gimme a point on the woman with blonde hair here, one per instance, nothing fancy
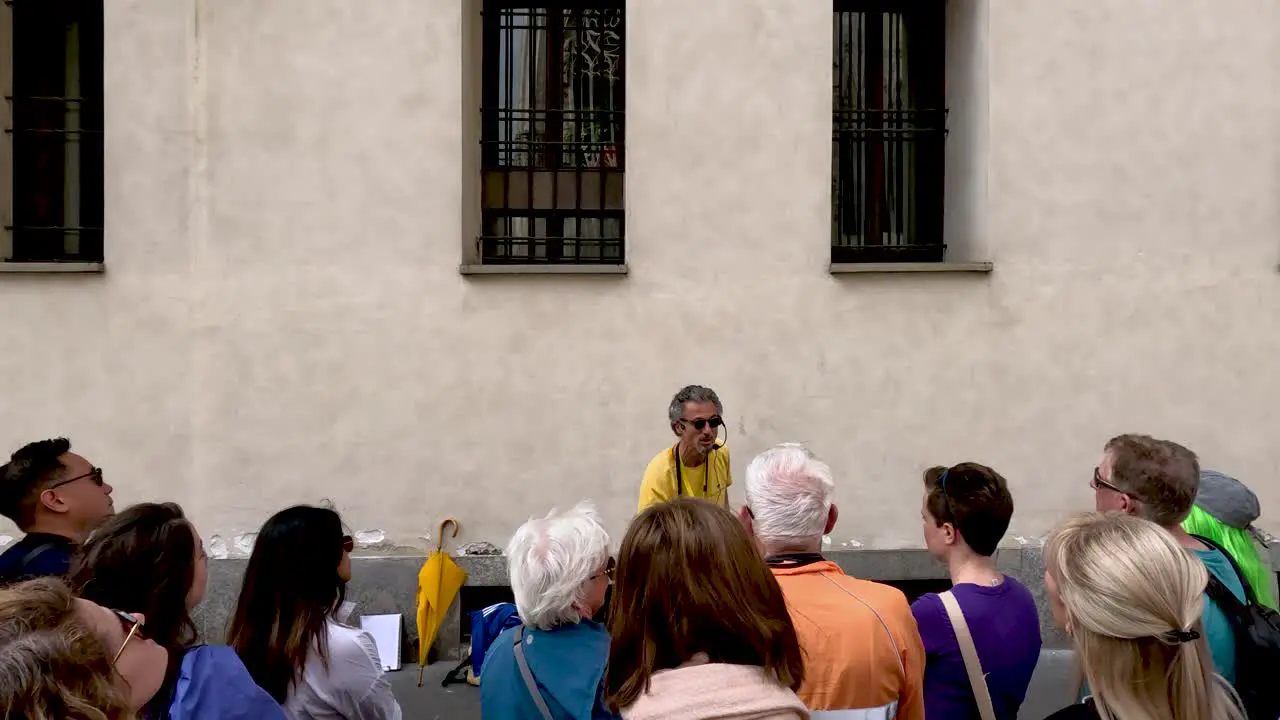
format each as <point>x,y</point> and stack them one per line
<point>62,658</point>
<point>1130,598</point>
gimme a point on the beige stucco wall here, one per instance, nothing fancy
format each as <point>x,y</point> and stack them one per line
<point>283,320</point>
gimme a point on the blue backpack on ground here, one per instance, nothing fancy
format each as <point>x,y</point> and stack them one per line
<point>486,626</point>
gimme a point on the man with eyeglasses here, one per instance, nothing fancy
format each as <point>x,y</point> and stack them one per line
<point>54,496</point>
<point>697,465</point>
<point>1158,480</point>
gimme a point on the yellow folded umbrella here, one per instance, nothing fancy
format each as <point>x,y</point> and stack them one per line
<point>439,581</point>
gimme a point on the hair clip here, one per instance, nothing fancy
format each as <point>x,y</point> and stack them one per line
<point>1182,636</point>
<point>942,480</point>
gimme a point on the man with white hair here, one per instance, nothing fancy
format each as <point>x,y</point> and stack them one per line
<point>553,665</point>
<point>863,656</point>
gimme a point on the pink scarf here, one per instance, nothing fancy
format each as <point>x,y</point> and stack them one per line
<point>716,691</point>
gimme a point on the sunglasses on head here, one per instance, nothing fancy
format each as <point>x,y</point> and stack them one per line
<point>132,629</point>
<point>348,543</point>
<point>714,421</point>
<point>95,474</point>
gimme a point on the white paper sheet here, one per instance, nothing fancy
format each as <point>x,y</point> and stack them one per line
<point>386,631</point>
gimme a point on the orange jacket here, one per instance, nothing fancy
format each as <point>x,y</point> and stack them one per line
<point>861,646</point>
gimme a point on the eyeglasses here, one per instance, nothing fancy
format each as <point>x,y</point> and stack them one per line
<point>134,630</point>
<point>95,474</point>
<point>714,421</point>
<point>348,543</point>
<point>1098,481</point>
<point>608,570</point>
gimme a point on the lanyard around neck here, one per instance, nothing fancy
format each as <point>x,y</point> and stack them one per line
<point>706,471</point>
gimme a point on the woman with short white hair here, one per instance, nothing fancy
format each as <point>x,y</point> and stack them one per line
<point>552,666</point>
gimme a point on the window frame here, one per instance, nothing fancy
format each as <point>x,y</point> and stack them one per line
<point>45,226</point>
<point>911,124</point>
<point>514,195</point>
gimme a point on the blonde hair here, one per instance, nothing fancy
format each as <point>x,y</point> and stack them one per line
<point>1133,600</point>
<point>52,665</point>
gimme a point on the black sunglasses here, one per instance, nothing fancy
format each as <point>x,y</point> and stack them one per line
<point>95,474</point>
<point>1098,481</point>
<point>714,421</point>
<point>348,543</point>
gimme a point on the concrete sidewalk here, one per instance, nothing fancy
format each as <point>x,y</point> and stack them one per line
<point>1050,690</point>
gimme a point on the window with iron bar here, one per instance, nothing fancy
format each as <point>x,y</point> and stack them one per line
<point>552,133</point>
<point>55,130</point>
<point>888,131</point>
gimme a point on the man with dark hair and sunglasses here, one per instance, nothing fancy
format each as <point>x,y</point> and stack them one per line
<point>697,465</point>
<point>54,496</point>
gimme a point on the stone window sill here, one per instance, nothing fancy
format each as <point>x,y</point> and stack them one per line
<point>542,269</point>
<point>53,267</point>
<point>942,267</point>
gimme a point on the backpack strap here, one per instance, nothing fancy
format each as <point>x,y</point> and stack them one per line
<point>1249,596</point>
<point>31,556</point>
<point>529,682</point>
<point>970,654</point>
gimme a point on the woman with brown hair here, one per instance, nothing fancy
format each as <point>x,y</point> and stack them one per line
<point>67,659</point>
<point>700,628</point>
<point>150,559</point>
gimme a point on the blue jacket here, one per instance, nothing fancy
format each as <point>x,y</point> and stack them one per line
<point>568,664</point>
<point>214,685</point>
<point>36,555</point>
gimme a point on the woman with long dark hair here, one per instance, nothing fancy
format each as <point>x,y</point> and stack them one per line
<point>149,559</point>
<point>285,628</point>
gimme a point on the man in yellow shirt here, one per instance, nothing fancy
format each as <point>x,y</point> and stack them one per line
<point>697,465</point>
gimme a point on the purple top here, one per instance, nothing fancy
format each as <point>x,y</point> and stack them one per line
<point>1006,633</point>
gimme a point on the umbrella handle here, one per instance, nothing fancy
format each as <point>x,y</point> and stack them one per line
<point>444,524</point>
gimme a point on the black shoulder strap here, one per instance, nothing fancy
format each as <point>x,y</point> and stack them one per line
<point>675,459</point>
<point>1249,596</point>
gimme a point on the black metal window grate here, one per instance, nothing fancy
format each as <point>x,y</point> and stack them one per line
<point>56,131</point>
<point>552,132</point>
<point>888,131</point>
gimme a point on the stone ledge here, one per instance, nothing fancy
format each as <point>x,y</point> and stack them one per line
<point>880,268</point>
<point>52,267</point>
<point>389,585</point>
<point>466,269</point>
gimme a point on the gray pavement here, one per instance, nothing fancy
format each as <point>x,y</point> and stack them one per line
<point>1050,690</point>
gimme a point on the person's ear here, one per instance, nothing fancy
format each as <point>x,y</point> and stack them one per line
<point>745,517</point>
<point>833,514</point>
<point>675,428</point>
<point>53,502</point>
<point>949,534</point>
<point>1128,505</point>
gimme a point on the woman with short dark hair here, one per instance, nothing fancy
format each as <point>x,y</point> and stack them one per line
<point>285,627</point>
<point>149,559</point>
<point>700,628</point>
<point>965,513</point>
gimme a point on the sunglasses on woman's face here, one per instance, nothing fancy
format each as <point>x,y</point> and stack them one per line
<point>132,629</point>
<point>714,421</point>
<point>348,543</point>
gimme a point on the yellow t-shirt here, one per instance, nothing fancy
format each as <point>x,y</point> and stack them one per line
<point>659,483</point>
